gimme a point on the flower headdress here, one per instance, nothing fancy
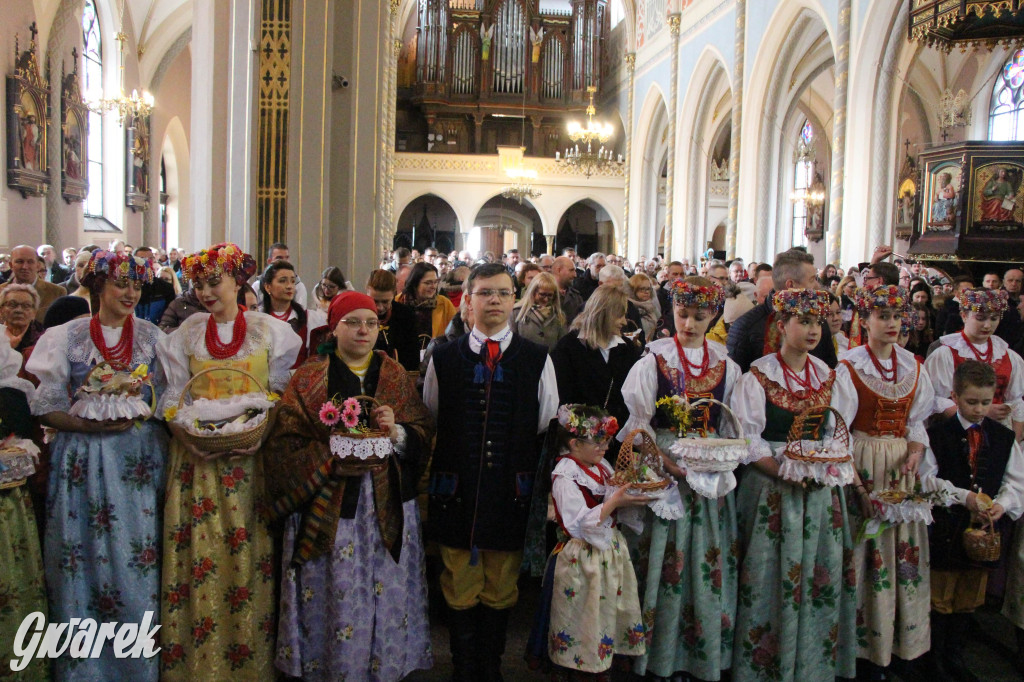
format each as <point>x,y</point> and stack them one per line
<point>598,426</point>
<point>119,266</point>
<point>907,323</point>
<point>984,300</point>
<point>696,296</point>
<point>883,296</point>
<point>801,302</point>
<point>219,260</point>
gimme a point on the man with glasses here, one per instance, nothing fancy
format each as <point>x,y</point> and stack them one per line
<point>397,321</point>
<point>25,270</point>
<point>490,391</point>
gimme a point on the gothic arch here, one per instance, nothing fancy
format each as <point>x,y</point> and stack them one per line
<point>649,152</point>
<point>175,154</point>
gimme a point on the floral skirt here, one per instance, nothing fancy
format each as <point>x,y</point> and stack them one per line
<point>218,571</point>
<point>355,614</point>
<point>1013,605</point>
<point>21,579</point>
<point>893,586</point>
<point>796,612</point>
<point>595,610</point>
<point>102,542</point>
<point>689,571</point>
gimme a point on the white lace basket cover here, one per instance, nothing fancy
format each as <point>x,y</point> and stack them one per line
<point>710,462</point>
<point>827,462</point>
<point>18,460</point>
<point>123,402</point>
<point>345,446</point>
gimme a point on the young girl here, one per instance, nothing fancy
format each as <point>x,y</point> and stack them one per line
<point>797,587</point>
<point>894,396</point>
<point>690,572</point>
<point>595,611</point>
<point>981,310</point>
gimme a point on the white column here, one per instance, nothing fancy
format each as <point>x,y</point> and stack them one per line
<point>243,26</point>
<point>670,166</point>
<point>842,66</point>
<point>623,247</point>
<point>737,123</point>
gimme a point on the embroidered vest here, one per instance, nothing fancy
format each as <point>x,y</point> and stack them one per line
<point>878,415</point>
<point>591,498</point>
<point>1003,368</point>
<point>783,407</point>
<point>711,384</point>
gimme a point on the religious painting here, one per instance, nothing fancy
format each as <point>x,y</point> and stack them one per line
<point>942,191</point>
<point>998,202</point>
<point>28,94</point>
<point>906,197</point>
<point>136,138</point>
<point>74,133</point>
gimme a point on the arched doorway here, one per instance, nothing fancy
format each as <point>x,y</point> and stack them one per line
<point>586,227</point>
<point>427,220</point>
<point>502,224</point>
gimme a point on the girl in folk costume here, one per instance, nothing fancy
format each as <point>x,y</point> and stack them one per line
<point>981,310</point>
<point>219,565</point>
<point>354,597</point>
<point>689,573</point>
<point>277,286</point>
<point>105,493</point>
<point>797,588</point>
<point>894,396</point>
<point>595,611</point>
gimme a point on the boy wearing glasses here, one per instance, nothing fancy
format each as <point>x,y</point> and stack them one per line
<point>489,390</point>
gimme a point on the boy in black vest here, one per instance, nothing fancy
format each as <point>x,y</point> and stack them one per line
<point>491,392</point>
<point>971,457</point>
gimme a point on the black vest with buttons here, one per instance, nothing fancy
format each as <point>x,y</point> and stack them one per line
<point>487,449</point>
<point>949,443</point>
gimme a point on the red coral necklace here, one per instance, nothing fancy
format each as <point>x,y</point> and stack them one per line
<point>223,351</point>
<point>693,370</point>
<point>985,357</point>
<point>120,355</point>
<point>886,374</point>
<point>803,385</point>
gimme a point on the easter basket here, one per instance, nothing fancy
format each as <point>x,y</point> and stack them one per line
<point>983,544</point>
<point>110,393</point>
<point>827,461</point>
<point>18,460</point>
<point>360,448</point>
<point>235,423</point>
<point>712,455</point>
<point>642,470</point>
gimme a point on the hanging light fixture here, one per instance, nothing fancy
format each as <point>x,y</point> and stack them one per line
<point>126,106</point>
<point>593,157</point>
<point>805,160</point>
<point>520,189</point>
<point>954,110</point>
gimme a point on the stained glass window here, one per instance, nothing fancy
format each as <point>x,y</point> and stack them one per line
<point>803,177</point>
<point>92,58</point>
<point>1006,114</point>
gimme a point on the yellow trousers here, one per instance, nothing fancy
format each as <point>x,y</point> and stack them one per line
<point>493,582</point>
<point>960,591</point>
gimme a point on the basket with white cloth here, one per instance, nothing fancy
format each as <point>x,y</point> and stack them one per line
<point>827,461</point>
<point>237,422</point>
<point>19,458</point>
<point>109,393</point>
<point>710,462</point>
<point>361,448</point>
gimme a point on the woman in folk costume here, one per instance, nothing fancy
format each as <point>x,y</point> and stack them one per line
<point>796,614</point>
<point>22,588</point>
<point>595,610</point>
<point>690,571</point>
<point>219,566</point>
<point>894,397</point>
<point>981,310</point>
<point>354,597</point>
<point>105,493</point>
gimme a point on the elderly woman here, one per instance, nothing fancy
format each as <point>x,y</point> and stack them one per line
<point>105,497</point>
<point>18,306</point>
<point>433,312</point>
<point>538,317</point>
<point>642,289</point>
<point>354,596</point>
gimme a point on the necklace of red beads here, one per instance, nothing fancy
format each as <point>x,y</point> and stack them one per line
<point>803,386</point>
<point>222,351</point>
<point>693,370</point>
<point>120,355</point>
<point>985,357</point>
<point>283,316</point>
<point>886,374</point>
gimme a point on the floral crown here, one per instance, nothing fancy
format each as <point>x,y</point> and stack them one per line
<point>695,296</point>
<point>596,427</point>
<point>907,323</point>
<point>984,300</point>
<point>120,266</point>
<point>801,302</point>
<point>883,296</point>
<point>219,259</point>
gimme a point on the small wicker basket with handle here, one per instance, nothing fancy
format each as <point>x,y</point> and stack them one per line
<point>224,442</point>
<point>630,463</point>
<point>363,450</point>
<point>795,440</point>
<point>712,455</point>
<point>983,544</point>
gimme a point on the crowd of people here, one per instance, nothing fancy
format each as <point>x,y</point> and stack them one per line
<point>454,422</point>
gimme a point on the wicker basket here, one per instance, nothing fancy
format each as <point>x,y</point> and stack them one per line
<point>628,463</point>
<point>18,465</point>
<point>224,442</point>
<point>712,455</point>
<point>831,465</point>
<point>795,439</point>
<point>983,544</point>
<point>364,451</point>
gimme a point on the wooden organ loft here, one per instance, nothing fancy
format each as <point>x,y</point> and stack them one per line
<point>480,65</point>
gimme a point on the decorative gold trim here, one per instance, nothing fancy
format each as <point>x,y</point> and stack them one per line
<point>273,115</point>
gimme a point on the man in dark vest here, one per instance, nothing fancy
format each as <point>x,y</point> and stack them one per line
<point>491,391</point>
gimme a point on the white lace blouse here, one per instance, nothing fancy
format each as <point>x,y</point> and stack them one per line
<point>579,520</point>
<point>940,368</point>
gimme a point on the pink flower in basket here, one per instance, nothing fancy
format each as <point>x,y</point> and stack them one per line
<point>349,418</point>
<point>329,413</point>
<point>352,405</point>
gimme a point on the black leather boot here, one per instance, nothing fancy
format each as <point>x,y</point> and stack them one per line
<point>464,643</point>
<point>493,629</point>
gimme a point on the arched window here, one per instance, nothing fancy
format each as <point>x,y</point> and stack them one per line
<point>92,57</point>
<point>1006,113</point>
<point>803,178</point>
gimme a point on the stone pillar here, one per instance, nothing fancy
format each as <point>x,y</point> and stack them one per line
<point>630,90</point>
<point>391,111</point>
<point>670,166</point>
<point>835,212</point>
<point>551,243</point>
<point>737,122</point>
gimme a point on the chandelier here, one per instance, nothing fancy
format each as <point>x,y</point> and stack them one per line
<point>520,189</point>
<point>126,106</point>
<point>954,110</point>
<point>809,196</point>
<point>593,157</point>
